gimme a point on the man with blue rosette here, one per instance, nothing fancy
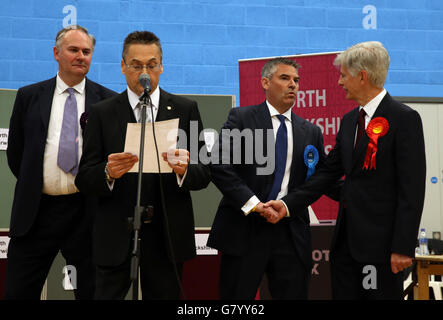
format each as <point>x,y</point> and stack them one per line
<point>380,149</point>
<point>252,245</point>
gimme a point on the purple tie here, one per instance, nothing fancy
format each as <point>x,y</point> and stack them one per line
<point>68,145</point>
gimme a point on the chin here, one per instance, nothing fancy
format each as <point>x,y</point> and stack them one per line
<point>81,73</point>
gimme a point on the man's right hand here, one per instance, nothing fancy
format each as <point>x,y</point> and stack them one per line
<point>268,212</point>
<point>274,211</point>
<point>120,163</point>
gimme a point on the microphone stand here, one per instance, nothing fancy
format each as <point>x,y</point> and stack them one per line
<point>140,212</point>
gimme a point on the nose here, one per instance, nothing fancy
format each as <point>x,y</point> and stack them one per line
<point>80,55</point>
<point>292,83</point>
<point>340,82</point>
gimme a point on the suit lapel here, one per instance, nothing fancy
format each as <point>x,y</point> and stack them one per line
<point>45,101</point>
<point>360,152</point>
<point>352,155</point>
<point>124,114</point>
<point>262,120</point>
<point>166,109</point>
<point>383,108</point>
<point>91,95</point>
<point>298,138</point>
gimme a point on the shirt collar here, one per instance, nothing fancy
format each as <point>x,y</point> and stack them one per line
<point>274,111</point>
<point>372,105</point>
<point>134,99</point>
<point>61,86</point>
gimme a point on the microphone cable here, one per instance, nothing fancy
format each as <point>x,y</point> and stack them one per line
<point>162,198</point>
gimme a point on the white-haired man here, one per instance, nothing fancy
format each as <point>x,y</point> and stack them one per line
<point>380,151</point>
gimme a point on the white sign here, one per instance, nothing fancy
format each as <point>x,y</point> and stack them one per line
<point>202,248</point>
<point>4,138</point>
<point>4,243</point>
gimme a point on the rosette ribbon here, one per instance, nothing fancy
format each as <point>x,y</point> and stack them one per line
<point>377,128</point>
<point>311,159</point>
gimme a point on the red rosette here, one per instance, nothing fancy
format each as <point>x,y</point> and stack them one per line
<point>377,128</point>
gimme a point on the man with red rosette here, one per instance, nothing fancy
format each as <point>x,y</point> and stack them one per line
<point>380,151</point>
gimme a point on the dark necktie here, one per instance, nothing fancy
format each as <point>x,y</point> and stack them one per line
<point>281,151</point>
<point>361,126</point>
<point>138,113</point>
<point>67,158</point>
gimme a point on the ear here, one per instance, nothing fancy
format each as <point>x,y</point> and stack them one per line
<point>123,67</point>
<point>265,83</point>
<point>364,76</point>
<point>56,53</point>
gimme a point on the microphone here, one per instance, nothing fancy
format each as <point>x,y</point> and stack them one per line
<point>145,82</point>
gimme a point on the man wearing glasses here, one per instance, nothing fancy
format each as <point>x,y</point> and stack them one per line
<point>104,173</point>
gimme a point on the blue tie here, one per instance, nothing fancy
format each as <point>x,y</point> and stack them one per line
<point>281,151</point>
<point>67,158</point>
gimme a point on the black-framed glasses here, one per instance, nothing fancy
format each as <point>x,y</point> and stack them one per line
<point>141,67</point>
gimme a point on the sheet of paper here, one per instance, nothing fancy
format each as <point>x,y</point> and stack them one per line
<point>166,135</point>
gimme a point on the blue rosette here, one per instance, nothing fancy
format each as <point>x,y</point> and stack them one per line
<point>311,159</point>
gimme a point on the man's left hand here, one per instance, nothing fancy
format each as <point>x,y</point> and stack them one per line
<point>399,262</point>
<point>177,159</point>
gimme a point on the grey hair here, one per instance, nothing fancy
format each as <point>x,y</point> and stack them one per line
<point>370,56</point>
<point>61,34</point>
<point>271,66</point>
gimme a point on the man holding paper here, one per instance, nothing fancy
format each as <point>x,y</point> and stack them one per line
<point>104,172</point>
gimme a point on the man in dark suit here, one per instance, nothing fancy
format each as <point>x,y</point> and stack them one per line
<point>44,148</point>
<point>380,150</point>
<point>168,240</point>
<point>252,246</point>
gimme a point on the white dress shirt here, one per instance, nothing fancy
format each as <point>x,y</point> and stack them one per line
<point>55,180</point>
<point>253,201</point>
<point>134,100</point>
<point>370,109</point>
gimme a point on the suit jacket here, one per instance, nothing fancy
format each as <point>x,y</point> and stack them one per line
<point>28,131</point>
<point>382,206</point>
<point>232,231</point>
<point>105,134</point>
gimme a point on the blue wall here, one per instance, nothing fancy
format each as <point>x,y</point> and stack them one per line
<point>203,40</point>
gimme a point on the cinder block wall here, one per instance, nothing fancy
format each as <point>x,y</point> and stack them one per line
<point>203,40</point>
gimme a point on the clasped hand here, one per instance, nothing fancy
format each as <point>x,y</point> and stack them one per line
<point>273,211</point>
<point>120,163</point>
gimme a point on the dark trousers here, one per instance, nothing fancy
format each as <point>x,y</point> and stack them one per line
<point>158,278</point>
<point>62,224</point>
<point>353,280</point>
<point>273,253</point>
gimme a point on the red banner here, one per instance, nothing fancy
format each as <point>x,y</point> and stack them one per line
<point>320,100</point>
